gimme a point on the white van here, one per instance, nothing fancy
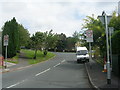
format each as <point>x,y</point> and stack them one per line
<point>82,54</point>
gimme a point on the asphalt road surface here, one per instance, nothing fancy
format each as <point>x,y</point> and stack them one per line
<point>59,72</point>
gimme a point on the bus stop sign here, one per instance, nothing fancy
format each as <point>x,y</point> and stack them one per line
<point>6,38</point>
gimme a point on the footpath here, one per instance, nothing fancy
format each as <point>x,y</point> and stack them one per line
<point>98,79</point>
<point>22,63</point>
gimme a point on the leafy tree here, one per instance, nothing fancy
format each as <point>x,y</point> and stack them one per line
<point>24,35</point>
<point>70,43</point>
<point>11,28</point>
<point>116,42</point>
<point>98,33</point>
<point>37,41</point>
<point>50,40</point>
<point>61,44</point>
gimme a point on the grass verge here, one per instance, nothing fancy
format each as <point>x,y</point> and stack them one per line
<point>14,59</point>
<point>39,57</point>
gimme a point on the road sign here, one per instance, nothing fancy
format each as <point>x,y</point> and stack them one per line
<point>6,37</point>
<point>89,36</point>
<point>102,19</point>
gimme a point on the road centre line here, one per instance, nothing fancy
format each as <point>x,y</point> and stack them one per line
<point>13,85</point>
<point>62,61</point>
<point>43,72</point>
<point>16,84</point>
<point>37,74</point>
<point>56,65</point>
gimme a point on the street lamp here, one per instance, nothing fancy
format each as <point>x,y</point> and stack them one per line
<point>105,20</point>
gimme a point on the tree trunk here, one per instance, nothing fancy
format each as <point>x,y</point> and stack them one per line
<point>35,54</point>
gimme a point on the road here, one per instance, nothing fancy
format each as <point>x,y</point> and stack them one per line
<point>59,72</point>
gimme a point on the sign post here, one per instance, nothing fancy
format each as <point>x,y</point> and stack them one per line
<point>105,20</point>
<point>89,38</point>
<point>6,37</point>
<point>111,30</point>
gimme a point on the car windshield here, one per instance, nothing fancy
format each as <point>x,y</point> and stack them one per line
<point>82,52</point>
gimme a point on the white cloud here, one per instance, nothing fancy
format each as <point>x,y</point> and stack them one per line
<point>61,16</point>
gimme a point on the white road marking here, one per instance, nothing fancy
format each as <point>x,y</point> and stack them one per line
<point>56,65</point>
<point>43,72</point>
<point>16,84</point>
<point>62,61</point>
<point>13,85</point>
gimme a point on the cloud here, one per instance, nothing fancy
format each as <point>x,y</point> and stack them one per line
<point>61,16</point>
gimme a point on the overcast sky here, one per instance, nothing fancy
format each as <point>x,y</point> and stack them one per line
<point>63,16</point>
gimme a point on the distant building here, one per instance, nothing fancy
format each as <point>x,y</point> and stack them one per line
<point>119,8</point>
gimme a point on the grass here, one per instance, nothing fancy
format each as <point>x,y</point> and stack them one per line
<point>39,57</point>
<point>14,59</point>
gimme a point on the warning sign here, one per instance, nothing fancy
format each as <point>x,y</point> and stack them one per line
<point>6,38</point>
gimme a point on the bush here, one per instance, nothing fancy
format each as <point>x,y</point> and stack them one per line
<point>116,42</point>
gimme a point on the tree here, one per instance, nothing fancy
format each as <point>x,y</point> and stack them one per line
<point>98,33</point>
<point>61,44</point>
<point>70,43</point>
<point>51,40</point>
<point>11,28</point>
<point>115,46</point>
<point>37,41</point>
<point>24,35</point>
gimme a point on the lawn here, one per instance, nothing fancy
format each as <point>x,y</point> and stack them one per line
<point>40,56</point>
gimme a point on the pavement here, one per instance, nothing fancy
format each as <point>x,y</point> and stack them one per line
<point>23,62</point>
<point>98,79</point>
<point>9,65</point>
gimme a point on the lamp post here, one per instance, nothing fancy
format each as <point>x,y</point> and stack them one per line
<point>105,20</point>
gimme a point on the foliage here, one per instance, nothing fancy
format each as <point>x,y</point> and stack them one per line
<point>61,44</point>
<point>99,36</point>
<point>51,40</point>
<point>18,36</point>
<point>37,41</point>
<point>98,33</point>
<point>24,35</point>
<point>11,28</point>
<point>116,42</point>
